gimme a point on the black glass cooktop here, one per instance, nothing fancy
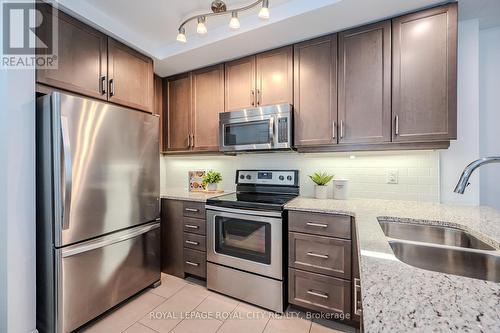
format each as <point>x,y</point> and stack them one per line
<point>259,201</point>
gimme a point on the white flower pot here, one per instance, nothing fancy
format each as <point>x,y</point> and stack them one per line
<point>212,187</point>
<point>320,191</point>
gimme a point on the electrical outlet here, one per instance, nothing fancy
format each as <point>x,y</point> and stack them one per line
<point>392,176</point>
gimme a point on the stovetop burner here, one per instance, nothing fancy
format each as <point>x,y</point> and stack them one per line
<point>260,190</point>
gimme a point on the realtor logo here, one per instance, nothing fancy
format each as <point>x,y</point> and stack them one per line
<point>29,35</point>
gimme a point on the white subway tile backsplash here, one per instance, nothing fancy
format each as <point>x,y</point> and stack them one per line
<point>418,171</point>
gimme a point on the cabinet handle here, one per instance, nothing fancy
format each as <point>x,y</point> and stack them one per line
<point>341,129</point>
<point>252,97</point>
<point>192,243</point>
<point>189,226</point>
<point>194,210</point>
<point>317,255</point>
<point>258,96</point>
<point>192,140</point>
<point>334,130</point>
<point>111,87</point>
<point>396,121</point>
<point>318,225</point>
<point>102,82</point>
<point>318,294</point>
<point>192,263</point>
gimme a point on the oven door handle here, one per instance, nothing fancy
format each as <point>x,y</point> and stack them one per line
<point>243,211</point>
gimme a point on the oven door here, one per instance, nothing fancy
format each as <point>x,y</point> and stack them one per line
<point>246,242</point>
<point>252,133</point>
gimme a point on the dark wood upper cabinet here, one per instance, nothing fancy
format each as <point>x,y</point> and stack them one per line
<point>178,112</point>
<point>364,85</point>
<point>82,58</point>
<point>207,103</point>
<point>130,77</point>
<point>158,104</point>
<point>240,84</point>
<point>275,76</point>
<point>424,75</point>
<point>315,91</point>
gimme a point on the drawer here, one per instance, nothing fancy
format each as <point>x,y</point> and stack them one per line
<point>195,242</point>
<point>194,209</point>
<point>325,255</point>
<point>195,226</point>
<point>320,224</point>
<point>319,292</point>
<point>195,263</point>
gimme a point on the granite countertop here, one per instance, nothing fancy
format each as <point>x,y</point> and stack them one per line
<point>398,297</point>
<point>184,194</point>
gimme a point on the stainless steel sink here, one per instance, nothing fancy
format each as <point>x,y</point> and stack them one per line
<point>442,249</point>
<point>473,264</point>
<point>432,234</point>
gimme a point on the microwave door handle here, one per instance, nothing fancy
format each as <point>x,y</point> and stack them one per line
<point>67,171</point>
<point>271,130</point>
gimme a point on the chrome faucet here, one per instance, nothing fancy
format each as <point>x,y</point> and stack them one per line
<point>464,179</point>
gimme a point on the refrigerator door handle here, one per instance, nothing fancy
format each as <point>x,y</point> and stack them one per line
<point>68,173</point>
<point>98,243</point>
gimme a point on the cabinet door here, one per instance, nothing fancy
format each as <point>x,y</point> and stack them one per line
<point>172,237</point>
<point>208,102</point>
<point>130,77</point>
<point>424,75</point>
<point>364,85</point>
<point>240,84</point>
<point>315,91</point>
<point>82,58</point>
<point>275,77</point>
<point>158,104</point>
<point>179,113</point>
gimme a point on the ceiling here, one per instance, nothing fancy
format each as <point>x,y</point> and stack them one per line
<point>151,25</point>
<point>486,11</point>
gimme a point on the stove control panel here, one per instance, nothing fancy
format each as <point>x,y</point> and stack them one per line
<point>268,177</point>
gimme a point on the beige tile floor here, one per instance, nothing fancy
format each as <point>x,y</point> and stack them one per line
<point>164,309</point>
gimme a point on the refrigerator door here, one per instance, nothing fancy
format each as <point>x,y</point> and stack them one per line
<point>106,168</point>
<point>96,275</point>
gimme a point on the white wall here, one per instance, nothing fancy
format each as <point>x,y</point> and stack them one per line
<point>17,201</point>
<point>489,69</point>
<point>418,171</point>
<point>466,148</point>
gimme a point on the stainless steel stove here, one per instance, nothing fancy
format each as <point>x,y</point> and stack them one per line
<point>246,237</point>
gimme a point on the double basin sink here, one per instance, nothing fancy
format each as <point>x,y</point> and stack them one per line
<point>442,249</point>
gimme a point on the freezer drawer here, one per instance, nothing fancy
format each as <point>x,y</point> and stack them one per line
<point>97,275</point>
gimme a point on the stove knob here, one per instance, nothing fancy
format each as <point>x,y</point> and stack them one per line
<point>242,176</point>
<point>289,177</point>
<point>249,177</point>
<point>281,178</point>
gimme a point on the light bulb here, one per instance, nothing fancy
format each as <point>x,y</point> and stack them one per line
<point>264,11</point>
<point>181,36</point>
<point>235,22</point>
<point>201,28</point>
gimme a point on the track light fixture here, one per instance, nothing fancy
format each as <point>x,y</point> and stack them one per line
<point>218,7</point>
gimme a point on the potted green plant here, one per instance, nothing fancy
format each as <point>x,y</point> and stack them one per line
<point>211,179</point>
<point>321,179</point>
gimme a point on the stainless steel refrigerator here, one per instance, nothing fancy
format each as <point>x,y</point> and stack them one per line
<point>98,235</point>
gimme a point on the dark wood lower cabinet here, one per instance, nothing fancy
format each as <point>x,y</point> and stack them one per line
<point>172,244</point>
<point>319,292</point>
<point>183,238</point>
<point>323,269</point>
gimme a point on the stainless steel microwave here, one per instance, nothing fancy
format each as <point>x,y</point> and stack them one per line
<point>263,128</point>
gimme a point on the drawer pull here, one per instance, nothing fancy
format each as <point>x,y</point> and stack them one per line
<point>319,225</point>
<point>317,255</point>
<point>190,226</point>
<point>317,294</point>
<point>192,263</point>
<point>194,210</point>
<point>192,243</point>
